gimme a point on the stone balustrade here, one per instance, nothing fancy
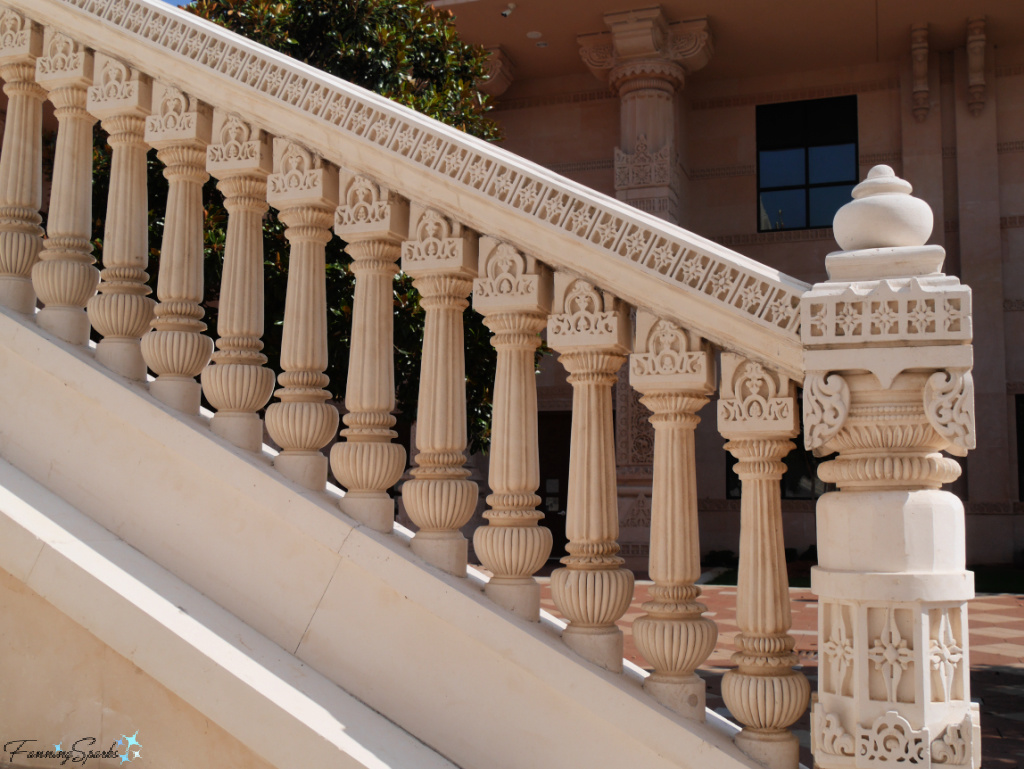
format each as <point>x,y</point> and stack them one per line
<point>883,355</point>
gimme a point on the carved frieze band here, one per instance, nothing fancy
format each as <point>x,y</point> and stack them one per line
<point>888,311</point>
<point>642,168</point>
<point>765,300</point>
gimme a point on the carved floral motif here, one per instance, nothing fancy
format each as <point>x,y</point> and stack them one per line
<point>113,82</point>
<point>756,397</point>
<point>954,746</point>
<point>505,275</point>
<point>891,739</point>
<point>891,655</point>
<point>62,55</point>
<point>829,735</point>
<point>363,204</point>
<point>174,112</point>
<point>236,143</point>
<point>15,30</point>
<point>838,651</point>
<point>641,168</point>
<point>945,655</point>
<point>298,171</point>
<point>583,314</point>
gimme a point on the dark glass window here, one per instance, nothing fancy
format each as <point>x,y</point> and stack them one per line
<point>806,162</point>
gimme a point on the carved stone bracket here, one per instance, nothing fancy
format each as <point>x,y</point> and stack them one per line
<point>826,406</point>
<point>645,34</point>
<point>949,406</point>
<point>499,70</point>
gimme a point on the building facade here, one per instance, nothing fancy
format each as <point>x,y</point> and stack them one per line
<point>749,123</point>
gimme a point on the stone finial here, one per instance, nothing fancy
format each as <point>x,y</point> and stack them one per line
<point>882,232</point>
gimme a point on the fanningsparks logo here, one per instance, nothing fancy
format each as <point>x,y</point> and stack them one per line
<point>77,752</point>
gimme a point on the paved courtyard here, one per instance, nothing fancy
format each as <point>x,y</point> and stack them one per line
<point>997,660</point>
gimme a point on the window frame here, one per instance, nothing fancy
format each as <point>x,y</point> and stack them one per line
<point>808,144</point>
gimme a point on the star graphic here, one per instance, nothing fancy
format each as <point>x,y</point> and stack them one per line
<point>119,742</point>
<point>132,740</point>
<point>57,747</point>
<point>136,753</point>
<point>124,757</point>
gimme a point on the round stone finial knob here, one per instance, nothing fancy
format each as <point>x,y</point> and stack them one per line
<point>882,214</point>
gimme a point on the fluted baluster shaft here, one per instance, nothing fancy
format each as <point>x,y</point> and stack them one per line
<point>590,330</point>
<point>441,256</point>
<point>64,277</point>
<point>514,295</point>
<point>367,463</point>
<point>122,311</point>
<point>304,189</point>
<point>757,414</point>
<point>176,349</point>
<point>238,384</point>
<point>21,161</point>
<point>676,373</point>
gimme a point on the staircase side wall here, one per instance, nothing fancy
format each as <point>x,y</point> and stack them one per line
<point>425,649</point>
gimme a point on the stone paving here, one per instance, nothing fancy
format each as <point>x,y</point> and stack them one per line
<point>996,625</point>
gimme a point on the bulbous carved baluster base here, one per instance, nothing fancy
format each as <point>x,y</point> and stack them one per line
<point>367,468</point>
<point>20,243</point>
<point>237,391</point>
<point>591,600</point>
<point>513,552</point>
<point>177,357</point>
<point>295,426</point>
<point>440,507</point>
<point>122,312</point>
<point>675,640</point>
<point>75,282</point>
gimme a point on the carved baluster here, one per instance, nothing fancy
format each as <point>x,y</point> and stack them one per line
<point>591,331</point>
<point>64,277</point>
<point>675,372</point>
<point>305,190</point>
<point>176,349</point>
<point>122,310</point>
<point>21,161</point>
<point>441,256</point>
<point>514,296</point>
<point>373,221</point>
<point>888,386</point>
<point>757,414</point>
<point>238,384</point>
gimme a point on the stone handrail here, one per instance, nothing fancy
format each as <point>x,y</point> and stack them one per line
<point>736,302</point>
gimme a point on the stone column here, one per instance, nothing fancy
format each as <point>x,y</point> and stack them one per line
<point>373,221</point>
<point>176,348</point>
<point>238,384</point>
<point>591,331</point>
<point>441,256</point>
<point>64,277</point>
<point>21,161</point>
<point>514,296</point>
<point>888,385</point>
<point>675,371</point>
<point>757,414</point>
<point>304,189</point>
<point>122,310</point>
<point>645,60</point>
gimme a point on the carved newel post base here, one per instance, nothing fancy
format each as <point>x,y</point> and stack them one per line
<point>888,386</point>
<point>514,295</point>
<point>675,371</point>
<point>591,331</point>
<point>441,256</point>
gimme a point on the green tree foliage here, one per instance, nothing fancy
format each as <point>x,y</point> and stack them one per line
<point>405,50</point>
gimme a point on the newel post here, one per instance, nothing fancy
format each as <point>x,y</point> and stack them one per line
<point>888,386</point>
